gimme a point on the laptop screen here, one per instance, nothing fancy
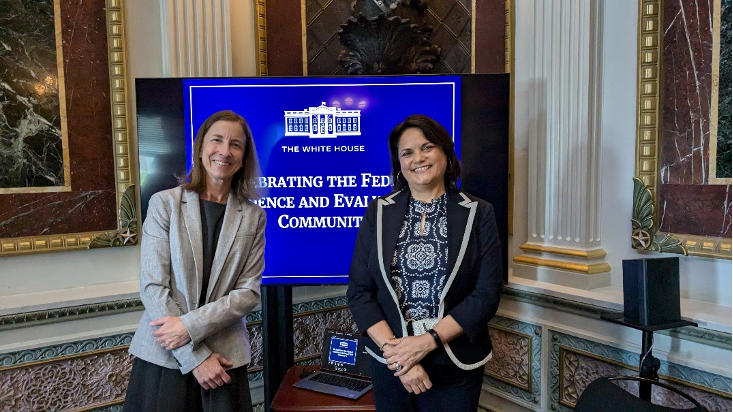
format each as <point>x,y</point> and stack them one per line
<point>344,352</point>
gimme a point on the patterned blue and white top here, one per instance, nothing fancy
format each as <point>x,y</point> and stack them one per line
<point>419,264</point>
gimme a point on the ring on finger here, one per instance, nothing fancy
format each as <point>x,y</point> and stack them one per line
<point>398,367</point>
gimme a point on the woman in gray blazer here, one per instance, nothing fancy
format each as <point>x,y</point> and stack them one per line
<point>200,272</point>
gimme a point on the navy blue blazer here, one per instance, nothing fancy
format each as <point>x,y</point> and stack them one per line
<point>471,292</point>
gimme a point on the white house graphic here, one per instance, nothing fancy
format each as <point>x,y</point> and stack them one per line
<point>323,121</point>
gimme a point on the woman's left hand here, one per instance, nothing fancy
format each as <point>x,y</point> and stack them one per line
<point>171,334</point>
<point>402,354</point>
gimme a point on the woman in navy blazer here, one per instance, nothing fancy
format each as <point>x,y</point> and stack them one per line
<point>426,277</point>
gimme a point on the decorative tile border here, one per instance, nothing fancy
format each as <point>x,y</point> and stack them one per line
<point>94,379</point>
<point>313,315</point>
<point>691,333</point>
<point>300,309</point>
<point>117,306</point>
<point>58,372</point>
<point>318,305</point>
<point>575,362</point>
<point>699,335</point>
<point>512,357</point>
<point>518,370</point>
<point>565,305</point>
<point>578,369</point>
<point>57,352</point>
<point>311,318</point>
<point>68,313</point>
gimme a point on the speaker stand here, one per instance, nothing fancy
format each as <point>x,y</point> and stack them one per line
<point>648,364</point>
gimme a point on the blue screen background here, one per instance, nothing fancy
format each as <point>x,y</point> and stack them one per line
<point>343,351</point>
<point>320,255</point>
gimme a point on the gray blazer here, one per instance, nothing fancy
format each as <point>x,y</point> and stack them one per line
<point>171,276</point>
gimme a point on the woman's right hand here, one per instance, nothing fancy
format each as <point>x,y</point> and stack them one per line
<point>211,373</point>
<point>402,353</point>
<point>416,380</point>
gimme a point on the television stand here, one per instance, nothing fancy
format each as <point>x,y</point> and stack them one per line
<point>648,364</point>
<point>277,337</point>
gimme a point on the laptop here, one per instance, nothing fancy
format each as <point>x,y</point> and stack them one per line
<point>344,369</point>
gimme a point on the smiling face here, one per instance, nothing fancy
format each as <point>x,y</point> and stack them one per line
<point>422,163</point>
<point>223,151</point>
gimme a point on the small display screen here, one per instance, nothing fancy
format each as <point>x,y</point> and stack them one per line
<point>343,351</point>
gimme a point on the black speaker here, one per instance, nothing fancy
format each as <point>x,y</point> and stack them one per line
<point>652,291</point>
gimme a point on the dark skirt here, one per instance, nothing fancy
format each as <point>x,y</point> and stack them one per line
<point>454,389</point>
<point>155,388</point>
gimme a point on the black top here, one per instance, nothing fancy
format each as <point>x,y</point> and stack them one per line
<point>418,268</point>
<point>212,216</point>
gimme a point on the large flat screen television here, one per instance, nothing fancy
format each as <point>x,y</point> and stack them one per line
<point>322,147</point>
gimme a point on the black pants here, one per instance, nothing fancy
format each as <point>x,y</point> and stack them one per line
<point>153,388</point>
<point>454,389</point>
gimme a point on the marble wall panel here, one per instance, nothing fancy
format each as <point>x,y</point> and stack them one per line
<point>703,210</point>
<point>687,88</point>
<point>90,205</point>
<point>31,147</point>
<point>687,82</point>
<point>723,149</point>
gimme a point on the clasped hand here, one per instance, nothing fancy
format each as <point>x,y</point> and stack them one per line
<point>416,380</point>
<point>171,334</point>
<point>407,352</point>
<point>211,373</point>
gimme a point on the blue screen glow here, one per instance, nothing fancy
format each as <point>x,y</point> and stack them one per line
<point>343,351</point>
<point>322,147</point>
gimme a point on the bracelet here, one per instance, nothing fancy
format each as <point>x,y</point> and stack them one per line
<point>381,348</point>
<point>436,337</point>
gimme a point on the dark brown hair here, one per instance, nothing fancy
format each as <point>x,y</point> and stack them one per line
<point>243,182</point>
<point>436,134</point>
